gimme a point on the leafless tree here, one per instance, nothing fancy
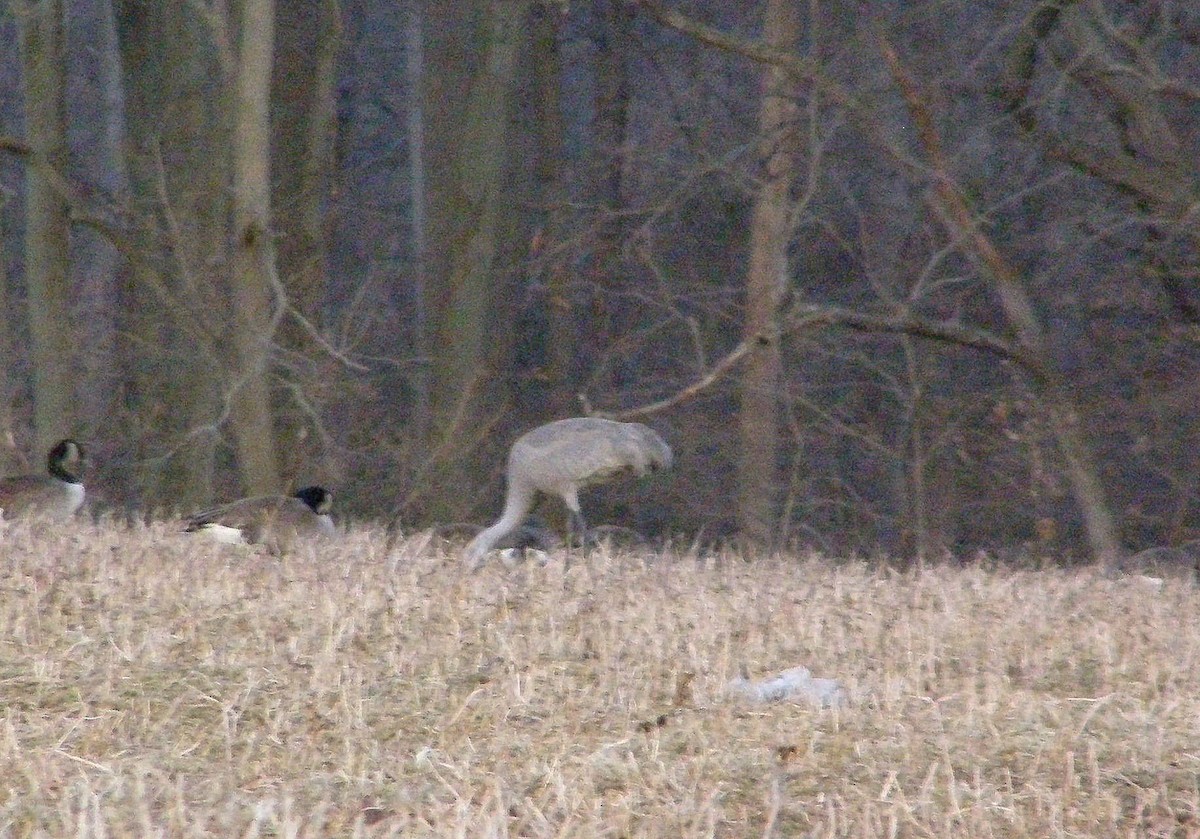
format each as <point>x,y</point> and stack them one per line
<point>46,233</point>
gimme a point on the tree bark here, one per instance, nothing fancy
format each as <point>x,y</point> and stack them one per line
<point>302,129</point>
<point>613,25</point>
<point>609,167</point>
<point>467,245</point>
<point>172,293</point>
<point>9,459</point>
<point>51,331</point>
<point>546,70</point>
<point>1053,390</point>
<point>96,129</point>
<point>253,264</point>
<point>766,282</point>
<point>414,76</point>
<point>303,120</point>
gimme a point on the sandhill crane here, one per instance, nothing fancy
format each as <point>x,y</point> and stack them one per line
<point>57,494</point>
<point>562,457</point>
<point>272,519</point>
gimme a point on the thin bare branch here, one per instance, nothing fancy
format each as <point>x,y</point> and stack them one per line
<point>321,341</point>
<point>806,316</point>
<point>701,384</point>
<point>81,211</point>
<point>1018,309</point>
<point>759,51</point>
<point>216,16</point>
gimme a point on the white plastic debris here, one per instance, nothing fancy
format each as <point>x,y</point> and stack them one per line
<point>512,557</point>
<point>1152,583</point>
<point>796,683</point>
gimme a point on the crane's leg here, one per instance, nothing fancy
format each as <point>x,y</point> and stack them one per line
<point>517,503</point>
<point>576,526</point>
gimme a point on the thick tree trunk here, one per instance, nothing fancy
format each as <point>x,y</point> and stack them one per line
<point>51,332</point>
<point>613,27</point>
<point>302,129</point>
<point>561,332</point>
<point>414,76</point>
<point>470,224</point>
<point>172,297</point>
<point>253,274</point>
<point>766,281</point>
<point>609,169</point>
<point>303,123</point>
<point>455,42</point>
<point>96,127</point>
<point>9,456</point>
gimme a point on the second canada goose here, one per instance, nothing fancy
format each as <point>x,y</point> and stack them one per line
<point>57,494</point>
<point>275,520</point>
<point>1181,560</point>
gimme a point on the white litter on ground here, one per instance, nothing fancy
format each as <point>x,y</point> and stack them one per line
<point>796,683</point>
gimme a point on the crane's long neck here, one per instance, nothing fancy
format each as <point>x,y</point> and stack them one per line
<point>517,504</point>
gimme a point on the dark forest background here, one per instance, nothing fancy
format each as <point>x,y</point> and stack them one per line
<point>900,277</point>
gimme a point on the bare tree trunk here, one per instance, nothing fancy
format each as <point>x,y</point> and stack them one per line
<point>546,65</point>
<point>455,43</point>
<point>46,234</point>
<point>613,25</point>
<point>303,124</point>
<point>253,264</point>
<point>766,281</point>
<point>928,485</point>
<point>473,242</point>
<point>8,443</point>
<point>302,119</point>
<point>414,75</point>
<point>1053,390</point>
<point>609,164</point>
<point>97,129</point>
<point>172,296</point>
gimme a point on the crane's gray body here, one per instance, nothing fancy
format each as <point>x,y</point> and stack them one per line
<point>562,457</point>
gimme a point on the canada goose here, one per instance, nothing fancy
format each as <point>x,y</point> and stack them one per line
<point>1182,560</point>
<point>560,458</point>
<point>275,520</point>
<point>56,495</point>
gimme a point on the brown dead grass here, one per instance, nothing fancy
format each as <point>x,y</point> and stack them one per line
<point>157,685</point>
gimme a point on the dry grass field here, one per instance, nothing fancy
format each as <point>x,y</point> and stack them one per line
<point>156,685</point>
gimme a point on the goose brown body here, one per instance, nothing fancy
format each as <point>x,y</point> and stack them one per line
<point>275,520</point>
<point>56,494</point>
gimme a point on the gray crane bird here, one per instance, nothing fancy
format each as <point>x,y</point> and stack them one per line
<point>560,458</point>
<point>274,520</point>
<point>55,495</point>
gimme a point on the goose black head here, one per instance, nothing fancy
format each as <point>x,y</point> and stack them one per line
<point>317,498</point>
<point>65,460</point>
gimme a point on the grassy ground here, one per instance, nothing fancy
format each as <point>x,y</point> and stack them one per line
<point>157,685</point>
